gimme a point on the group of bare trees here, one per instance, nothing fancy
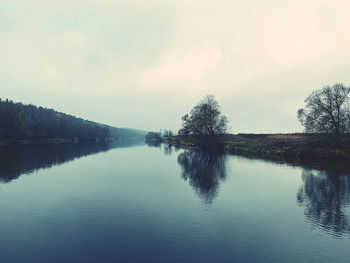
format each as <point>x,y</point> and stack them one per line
<point>327,111</point>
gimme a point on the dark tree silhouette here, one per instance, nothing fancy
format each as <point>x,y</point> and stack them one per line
<point>19,121</point>
<point>205,119</point>
<point>327,111</point>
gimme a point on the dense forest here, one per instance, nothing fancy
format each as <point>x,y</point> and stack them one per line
<point>29,122</point>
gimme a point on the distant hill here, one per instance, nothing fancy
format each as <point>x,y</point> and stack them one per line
<point>127,133</point>
<point>28,122</point>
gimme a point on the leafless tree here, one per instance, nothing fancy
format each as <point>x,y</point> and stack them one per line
<point>327,110</point>
<point>205,119</point>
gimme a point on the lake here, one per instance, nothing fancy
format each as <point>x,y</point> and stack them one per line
<point>129,202</point>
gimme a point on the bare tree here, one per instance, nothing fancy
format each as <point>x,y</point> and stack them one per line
<point>327,110</point>
<point>205,119</point>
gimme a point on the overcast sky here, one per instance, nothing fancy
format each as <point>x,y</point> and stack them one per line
<point>144,64</point>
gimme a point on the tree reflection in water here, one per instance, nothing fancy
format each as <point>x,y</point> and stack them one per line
<point>168,149</point>
<point>204,171</point>
<point>25,159</point>
<point>156,144</point>
<point>326,198</point>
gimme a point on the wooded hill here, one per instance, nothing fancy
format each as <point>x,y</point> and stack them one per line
<point>29,122</point>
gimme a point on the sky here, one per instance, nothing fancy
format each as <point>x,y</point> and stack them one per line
<point>144,64</point>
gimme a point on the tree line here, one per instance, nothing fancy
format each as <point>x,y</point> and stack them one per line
<point>28,122</point>
<point>326,111</point>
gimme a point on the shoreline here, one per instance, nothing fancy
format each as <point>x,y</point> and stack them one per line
<point>284,147</point>
<point>50,141</point>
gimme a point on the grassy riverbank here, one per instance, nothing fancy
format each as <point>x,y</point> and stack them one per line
<point>273,146</point>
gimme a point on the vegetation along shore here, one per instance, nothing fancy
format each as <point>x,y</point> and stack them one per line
<point>273,146</point>
<point>325,117</point>
<point>27,124</point>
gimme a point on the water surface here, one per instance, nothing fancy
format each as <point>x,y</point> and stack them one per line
<point>133,203</point>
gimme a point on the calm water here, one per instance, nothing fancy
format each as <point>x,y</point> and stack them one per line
<point>134,203</point>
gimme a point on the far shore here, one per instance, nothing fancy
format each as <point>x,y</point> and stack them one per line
<point>50,141</point>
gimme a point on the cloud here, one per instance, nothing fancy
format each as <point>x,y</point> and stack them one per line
<point>145,63</point>
<point>187,69</point>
